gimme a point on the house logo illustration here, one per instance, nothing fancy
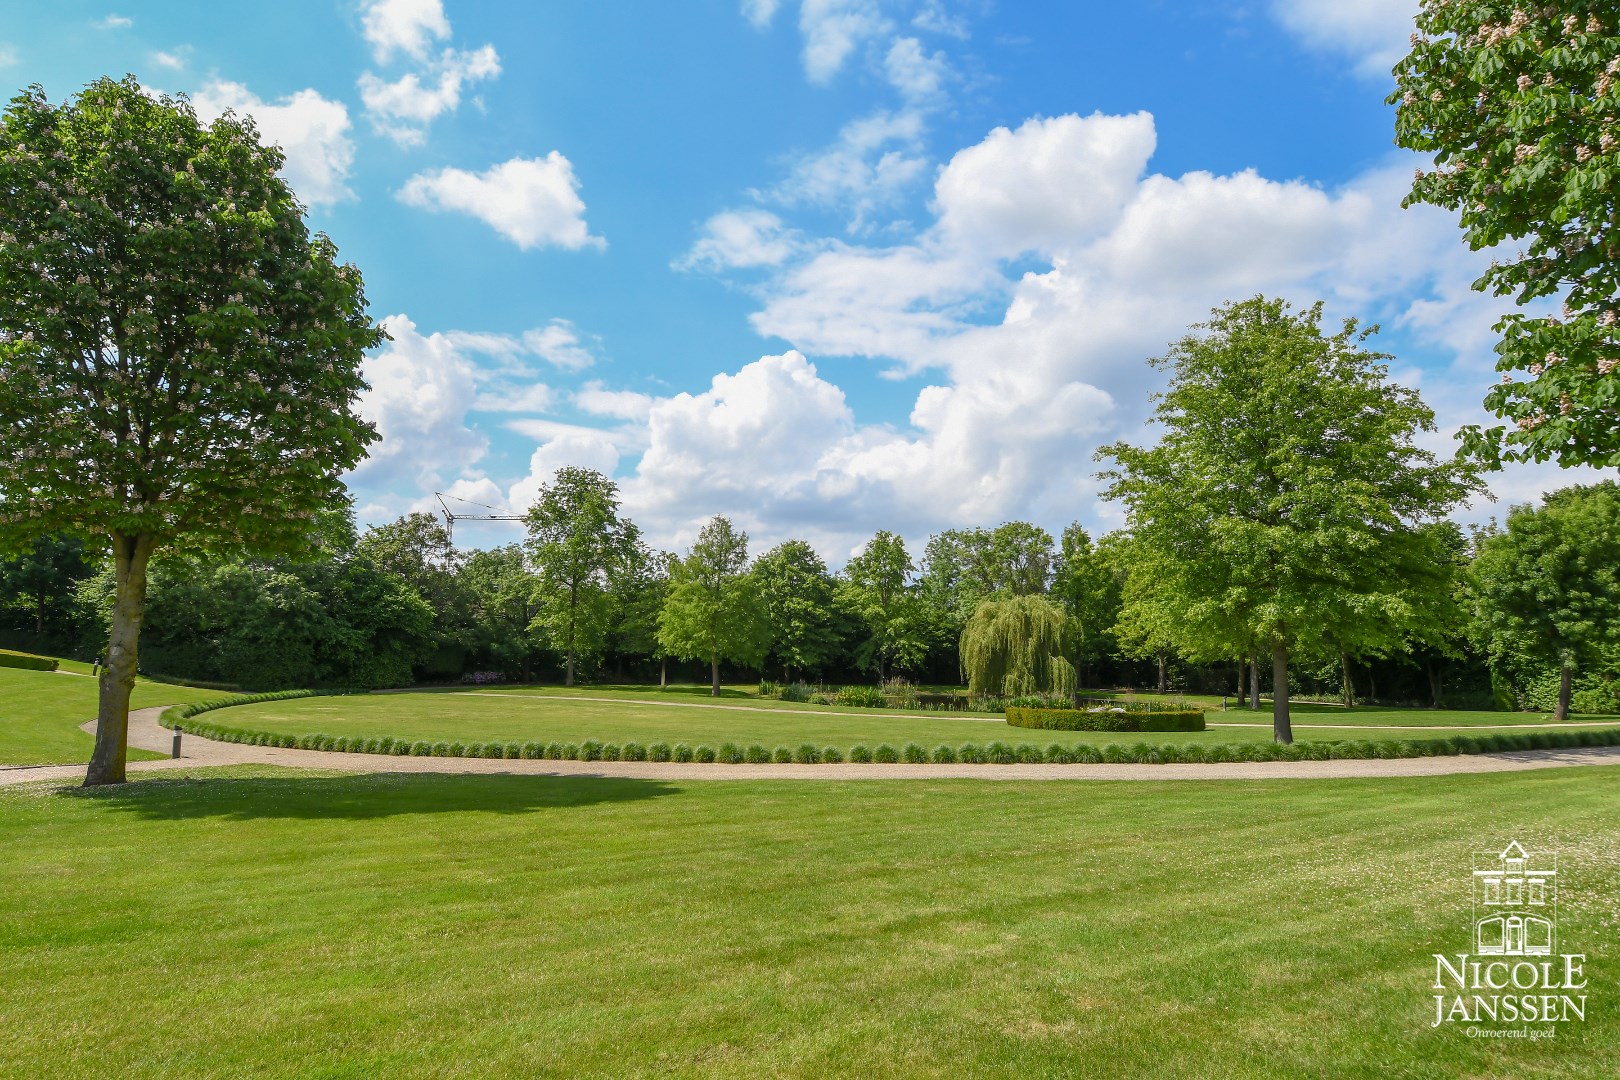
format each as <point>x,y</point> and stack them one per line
<point>1515,904</point>
<point>1512,984</point>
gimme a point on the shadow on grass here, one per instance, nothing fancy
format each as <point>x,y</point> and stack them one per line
<point>361,797</point>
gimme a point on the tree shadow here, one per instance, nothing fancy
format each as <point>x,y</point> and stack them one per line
<point>361,797</point>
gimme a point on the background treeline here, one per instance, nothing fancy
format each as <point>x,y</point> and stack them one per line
<point>399,604</point>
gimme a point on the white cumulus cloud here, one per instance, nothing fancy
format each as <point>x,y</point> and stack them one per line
<point>312,131</point>
<point>403,108</point>
<point>409,27</point>
<point>1372,33</point>
<point>740,239</point>
<point>533,202</point>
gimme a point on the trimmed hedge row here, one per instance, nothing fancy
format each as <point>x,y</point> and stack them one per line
<point>1107,720</point>
<point>996,753</point>
<point>27,661</point>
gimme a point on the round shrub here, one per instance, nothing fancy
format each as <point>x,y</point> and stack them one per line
<point>1056,754</point>
<point>944,754</point>
<point>1218,753</point>
<point>971,754</point>
<point>533,751</point>
<point>682,752</point>
<point>1000,753</point>
<point>704,754</point>
<point>553,751</point>
<point>914,754</point>
<point>1029,754</point>
<point>806,755</point>
<point>659,751</point>
<point>831,755</point>
<point>458,749</point>
<point>590,750</point>
<point>307,742</point>
<point>400,748</point>
<point>633,751</point>
<point>886,755</point>
<point>860,754</point>
<point>421,748</point>
<point>757,755</point>
<point>496,750</point>
<point>729,754</point>
<point>473,750</point>
<point>1086,754</point>
<point>441,749</point>
<point>610,752</point>
<point>384,746</point>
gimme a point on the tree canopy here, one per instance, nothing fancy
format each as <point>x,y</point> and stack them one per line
<point>1519,106</point>
<point>713,613</point>
<point>1288,475</point>
<point>797,592</point>
<point>179,358</point>
<point>1015,647</point>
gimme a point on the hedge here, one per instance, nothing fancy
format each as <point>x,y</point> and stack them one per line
<point>1107,719</point>
<point>26,661</point>
<point>1142,753</point>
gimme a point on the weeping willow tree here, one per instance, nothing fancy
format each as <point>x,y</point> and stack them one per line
<point>1015,646</point>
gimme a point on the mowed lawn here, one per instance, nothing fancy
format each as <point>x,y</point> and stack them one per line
<point>562,717</point>
<point>40,714</point>
<point>274,923</point>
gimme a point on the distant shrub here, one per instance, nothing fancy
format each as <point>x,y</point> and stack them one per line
<point>472,750</point>
<point>864,697</point>
<point>782,755</point>
<point>659,751</point>
<point>757,755</point>
<point>899,694</point>
<point>420,748</point>
<point>458,749</point>
<point>610,751</point>
<point>634,751</point>
<point>26,661</point>
<point>704,754</point>
<point>797,691</point>
<point>441,749</point>
<point>768,689</point>
<point>944,754</point>
<point>1029,754</point>
<point>514,750</point>
<point>972,754</point>
<point>682,752</point>
<point>1000,753</point>
<point>729,754</point>
<point>502,750</point>
<point>554,751</point>
<point>831,755</point>
<point>860,754</point>
<point>590,750</point>
<point>806,754</point>
<point>1058,755</point>
<point>1112,717</point>
<point>571,752</point>
<point>886,755</point>
<point>1086,754</point>
<point>533,751</point>
<point>913,754</point>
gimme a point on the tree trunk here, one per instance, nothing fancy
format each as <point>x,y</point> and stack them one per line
<point>1566,684</point>
<point>1349,687</point>
<point>568,671</point>
<point>39,617</point>
<point>1164,681</point>
<point>1434,684</point>
<point>130,556</point>
<point>1372,687</point>
<point>714,676</point>
<point>1281,729</point>
<point>663,673</point>
<point>1254,680</point>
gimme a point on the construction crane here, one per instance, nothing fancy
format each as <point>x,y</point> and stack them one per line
<point>450,519</point>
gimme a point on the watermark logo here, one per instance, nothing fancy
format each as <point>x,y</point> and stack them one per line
<point>1514,976</point>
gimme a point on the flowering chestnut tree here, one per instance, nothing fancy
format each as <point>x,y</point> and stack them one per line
<point>1518,103</point>
<point>179,358</point>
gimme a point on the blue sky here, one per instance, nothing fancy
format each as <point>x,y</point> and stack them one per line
<point>826,266</point>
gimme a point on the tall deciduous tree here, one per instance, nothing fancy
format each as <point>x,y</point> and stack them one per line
<point>1087,584</point>
<point>578,544</point>
<point>1549,584</point>
<point>417,548</point>
<point>713,611</point>
<point>1520,105</point>
<point>43,576</point>
<point>877,589</point>
<point>1287,478</point>
<point>798,594</point>
<point>179,358</point>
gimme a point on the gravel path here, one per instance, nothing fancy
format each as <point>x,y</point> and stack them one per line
<point>146,733</point>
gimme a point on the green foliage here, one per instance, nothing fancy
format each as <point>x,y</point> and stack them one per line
<point>703,754</point>
<point>876,588</point>
<point>1287,485</point>
<point>860,697</point>
<point>944,754</point>
<point>659,751</point>
<point>578,544</point>
<point>797,592</point>
<point>914,754</point>
<point>885,755</point>
<point>782,755</point>
<point>1107,718</point>
<point>757,755</point>
<point>1518,107</point>
<point>806,754</point>
<point>713,612</point>
<point>1547,587</point>
<point>416,549</point>
<point>26,661</point>
<point>860,754</point>
<point>1015,646</point>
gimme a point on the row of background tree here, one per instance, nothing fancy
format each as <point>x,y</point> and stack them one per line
<point>585,597</point>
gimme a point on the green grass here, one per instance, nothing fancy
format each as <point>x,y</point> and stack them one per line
<point>278,924</point>
<point>40,714</point>
<point>545,716</point>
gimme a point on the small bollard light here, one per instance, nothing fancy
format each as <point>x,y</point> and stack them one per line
<point>176,751</point>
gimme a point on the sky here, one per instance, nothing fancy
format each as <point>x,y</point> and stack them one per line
<point>823,266</point>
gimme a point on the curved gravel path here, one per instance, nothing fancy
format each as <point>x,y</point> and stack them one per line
<point>146,733</point>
